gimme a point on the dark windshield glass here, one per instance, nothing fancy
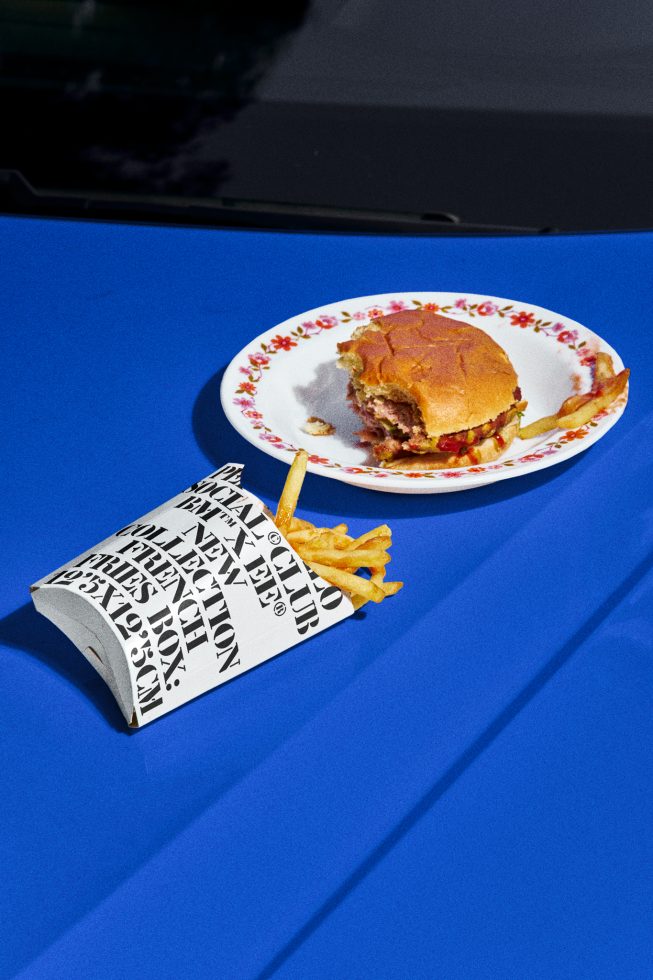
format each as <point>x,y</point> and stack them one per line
<point>331,113</point>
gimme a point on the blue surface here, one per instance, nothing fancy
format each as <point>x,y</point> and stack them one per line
<point>456,783</point>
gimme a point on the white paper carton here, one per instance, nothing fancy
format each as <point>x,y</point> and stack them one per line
<point>192,594</point>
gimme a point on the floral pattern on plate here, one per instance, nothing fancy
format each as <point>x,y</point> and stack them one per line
<point>260,358</point>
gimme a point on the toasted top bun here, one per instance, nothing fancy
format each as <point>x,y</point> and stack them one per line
<point>456,375</point>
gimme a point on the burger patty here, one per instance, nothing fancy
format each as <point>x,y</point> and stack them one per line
<point>396,429</point>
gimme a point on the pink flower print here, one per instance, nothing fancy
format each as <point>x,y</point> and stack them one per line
<point>259,359</point>
<point>461,304</point>
<point>317,459</point>
<point>396,305</point>
<point>308,325</point>
<point>359,316</point>
<point>245,370</point>
<point>244,402</point>
<point>283,343</point>
<point>374,312</point>
<point>557,327</point>
<point>353,469</point>
<point>567,336</point>
<point>270,437</point>
<point>326,322</point>
<point>487,308</point>
<point>451,474</point>
<point>252,414</point>
<point>531,458</point>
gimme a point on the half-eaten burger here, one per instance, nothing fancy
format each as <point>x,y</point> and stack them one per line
<point>433,392</point>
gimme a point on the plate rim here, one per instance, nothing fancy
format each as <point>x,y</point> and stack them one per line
<point>462,478</point>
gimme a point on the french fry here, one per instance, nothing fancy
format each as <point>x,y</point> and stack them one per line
<point>603,367</point>
<point>342,541</point>
<point>381,544</point>
<point>301,540</point>
<point>303,535</point>
<point>297,524</point>
<point>331,552</point>
<point>337,540</point>
<point>610,389</point>
<point>578,410</point>
<point>361,558</point>
<point>291,489</point>
<point>382,531</point>
<point>358,600</point>
<point>348,582</point>
<point>322,537</point>
<point>391,588</point>
<point>376,578</point>
<point>539,427</point>
<point>573,403</point>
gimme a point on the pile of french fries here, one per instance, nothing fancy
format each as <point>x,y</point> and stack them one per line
<point>580,409</point>
<point>330,551</point>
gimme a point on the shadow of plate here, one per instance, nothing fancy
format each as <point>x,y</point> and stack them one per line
<point>264,475</point>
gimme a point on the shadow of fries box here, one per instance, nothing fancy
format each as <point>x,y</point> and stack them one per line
<point>199,590</point>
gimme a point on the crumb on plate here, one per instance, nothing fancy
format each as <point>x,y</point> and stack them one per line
<point>315,426</point>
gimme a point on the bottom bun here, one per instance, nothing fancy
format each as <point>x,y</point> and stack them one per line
<point>484,452</point>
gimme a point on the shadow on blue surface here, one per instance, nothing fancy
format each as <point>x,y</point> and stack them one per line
<point>27,630</point>
<point>220,443</point>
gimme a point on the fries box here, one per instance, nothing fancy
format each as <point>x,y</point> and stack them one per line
<point>192,594</point>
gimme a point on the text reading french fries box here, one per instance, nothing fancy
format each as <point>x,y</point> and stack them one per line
<point>187,597</point>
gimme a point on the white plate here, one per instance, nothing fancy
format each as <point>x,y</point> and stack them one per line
<point>289,373</point>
